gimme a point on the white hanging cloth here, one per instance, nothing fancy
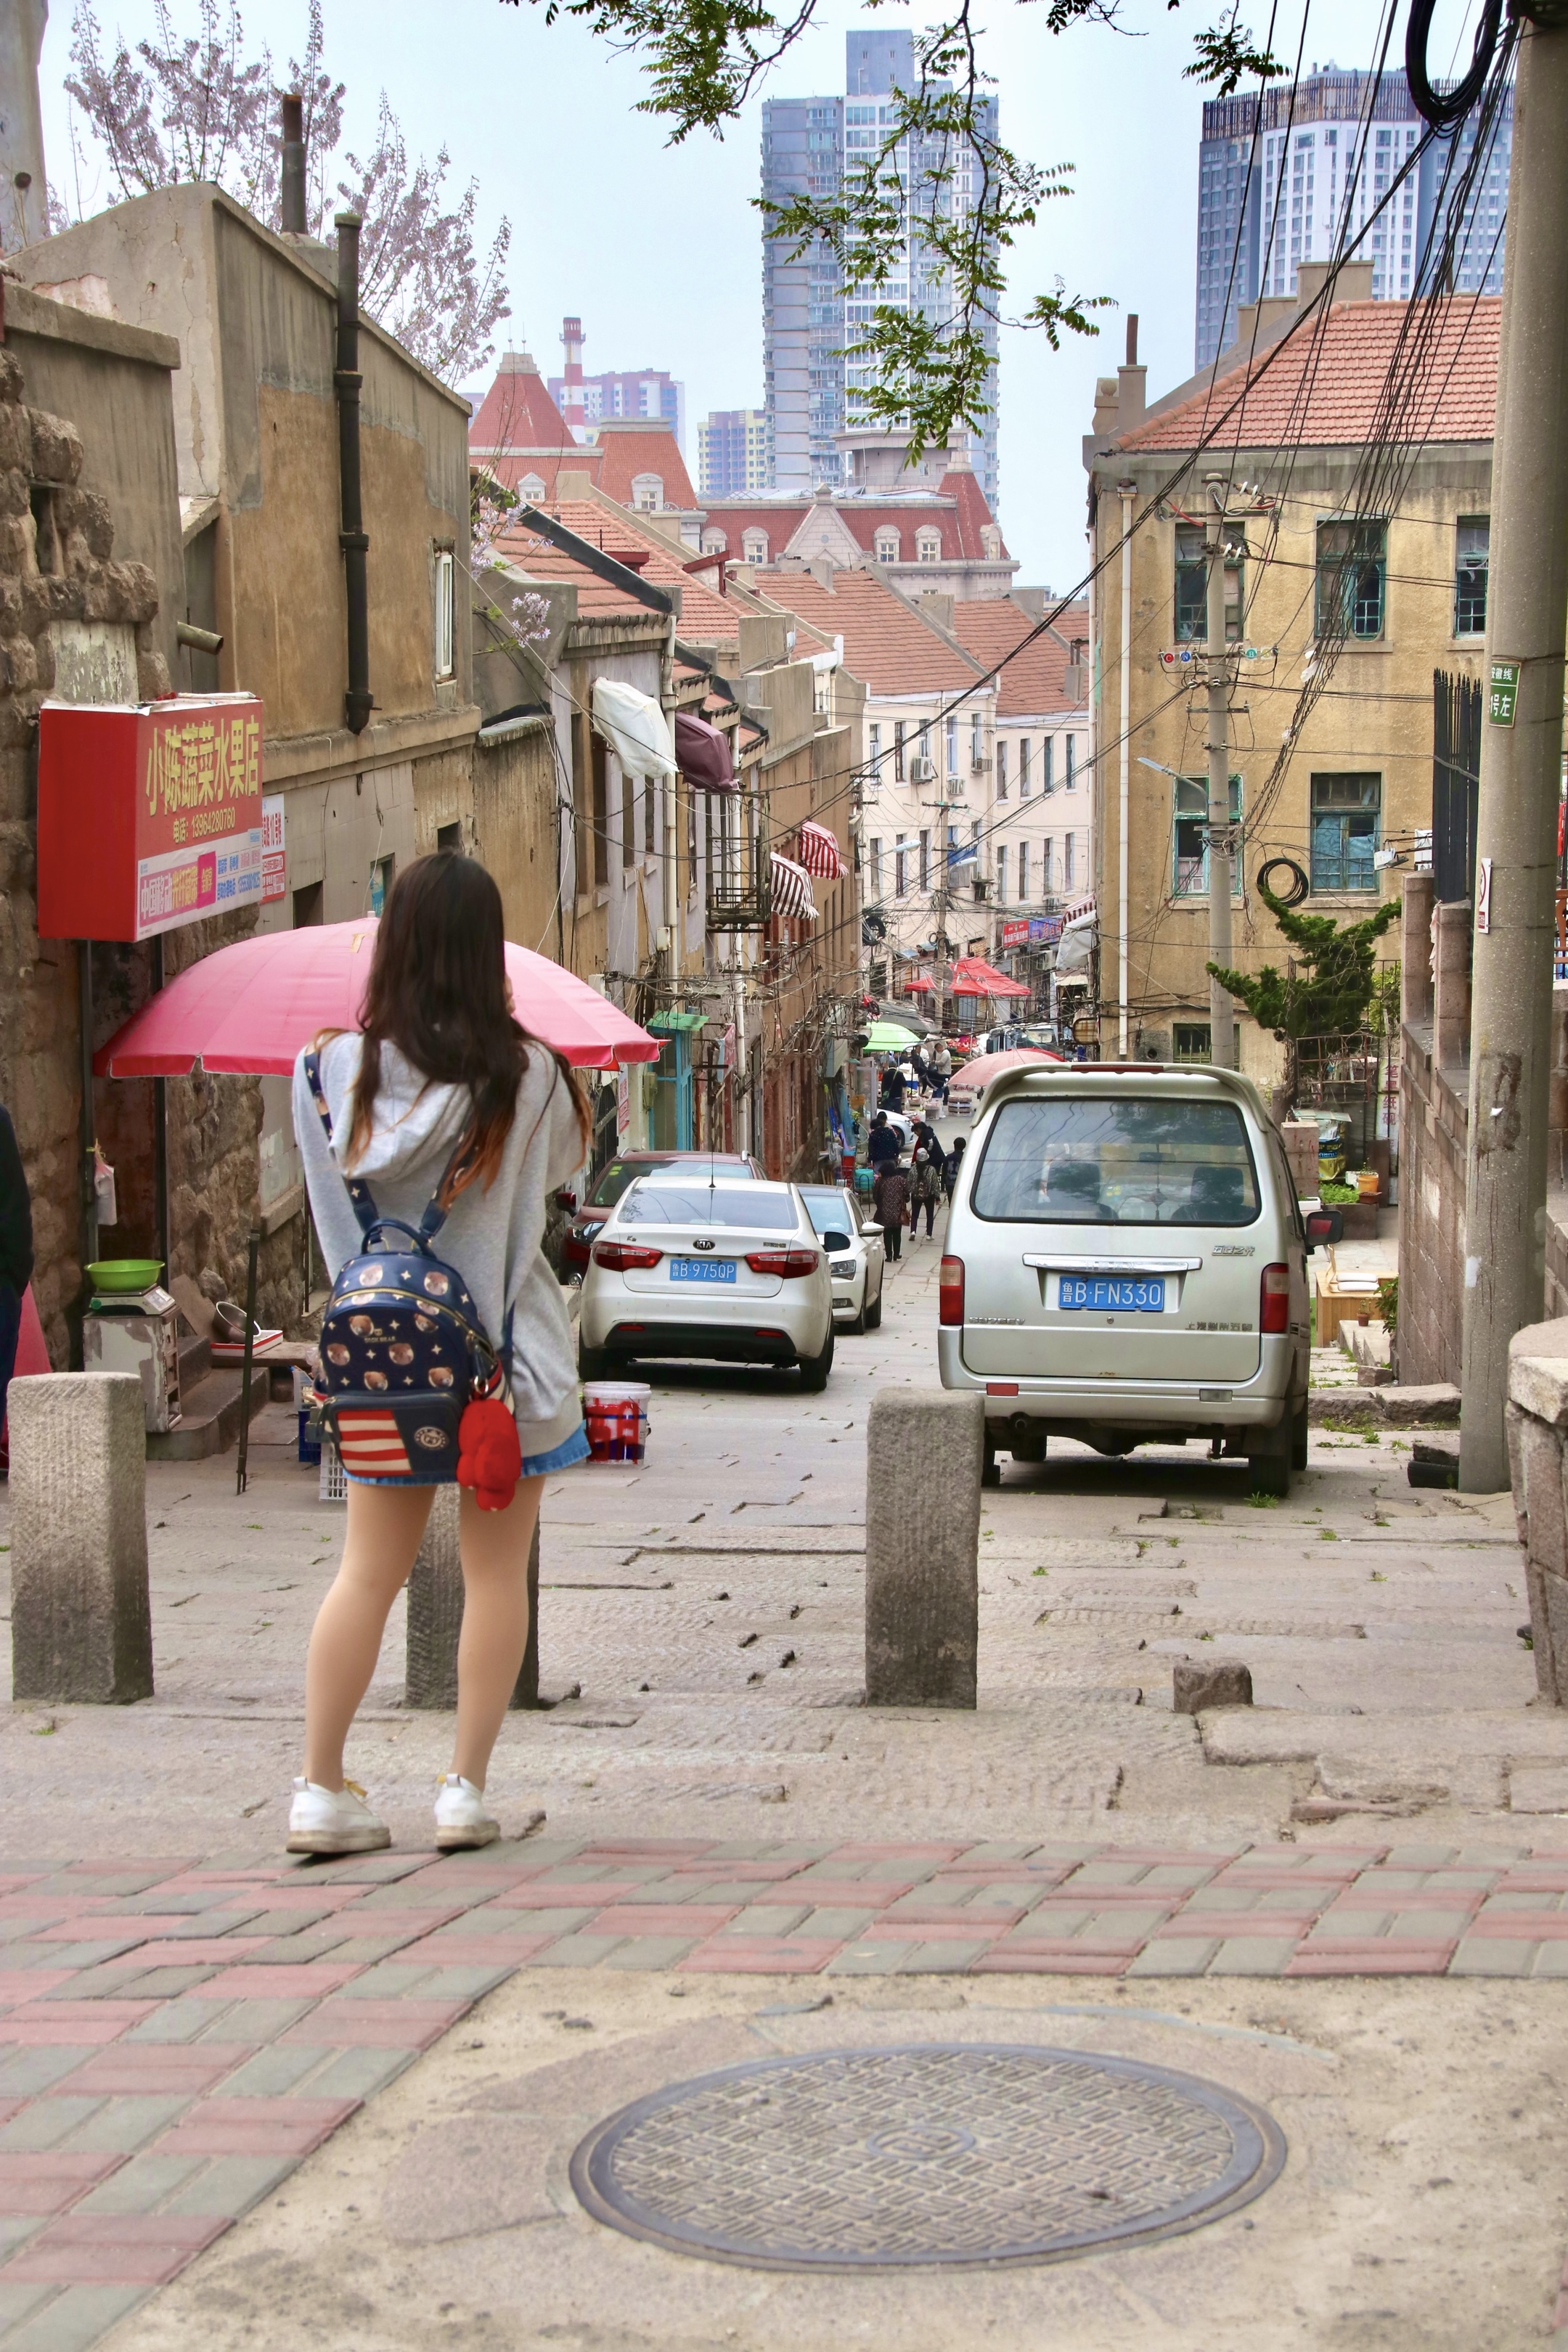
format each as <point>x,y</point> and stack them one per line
<point>634,728</point>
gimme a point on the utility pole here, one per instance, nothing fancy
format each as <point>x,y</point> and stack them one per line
<point>1521,764</point>
<point>1218,661</point>
<point>940,902</point>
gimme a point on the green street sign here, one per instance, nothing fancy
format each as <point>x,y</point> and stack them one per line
<point>1504,693</point>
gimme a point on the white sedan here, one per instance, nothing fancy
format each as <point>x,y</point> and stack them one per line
<point>686,1267</point>
<point>857,1254</point>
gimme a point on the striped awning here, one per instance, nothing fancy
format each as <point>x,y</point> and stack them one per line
<point>818,850</point>
<point>792,890</point>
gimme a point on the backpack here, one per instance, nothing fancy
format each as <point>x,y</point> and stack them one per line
<point>402,1350</point>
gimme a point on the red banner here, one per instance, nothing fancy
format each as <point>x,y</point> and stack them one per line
<point>1015,934</point>
<point>148,819</point>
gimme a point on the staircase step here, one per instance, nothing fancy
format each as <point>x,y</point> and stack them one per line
<point>209,1422</point>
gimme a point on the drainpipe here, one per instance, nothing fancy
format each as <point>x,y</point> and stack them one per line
<point>358,702</point>
<point>293,193</point>
<point>1127,491</point>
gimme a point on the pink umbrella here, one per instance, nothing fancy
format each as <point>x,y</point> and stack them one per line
<point>251,1006</point>
<point>977,1075</point>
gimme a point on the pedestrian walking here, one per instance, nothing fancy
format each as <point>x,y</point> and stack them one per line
<point>889,1204</point>
<point>893,1088</point>
<point>15,1250</point>
<point>941,1070</point>
<point>927,1192</point>
<point>883,1144</point>
<point>439,1101</point>
<point>951,1167</point>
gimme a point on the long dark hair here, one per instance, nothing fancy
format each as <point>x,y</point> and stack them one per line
<point>438,991</point>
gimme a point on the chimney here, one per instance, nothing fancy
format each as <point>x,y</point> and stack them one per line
<point>292,193</point>
<point>1353,283</point>
<point>573,399</point>
<point>1132,384</point>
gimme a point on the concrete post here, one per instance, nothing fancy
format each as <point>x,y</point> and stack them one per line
<point>924,1453</point>
<point>1416,949</point>
<point>1217,744</point>
<point>1451,988</point>
<point>1521,756</point>
<point>436,1613</point>
<point>81,1630</point>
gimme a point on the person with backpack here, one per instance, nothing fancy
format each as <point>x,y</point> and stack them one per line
<point>951,1167</point>
<point>433,1137</point>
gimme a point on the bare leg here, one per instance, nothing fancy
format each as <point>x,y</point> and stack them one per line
<point>495,1547</point>
<point>385,1524</point>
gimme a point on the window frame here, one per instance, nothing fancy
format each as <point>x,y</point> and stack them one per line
<point>1199,866</point>
<point>1327,885</point>
<point>1001,767</point>
<point>1192,576</point>
<point>445,582</point>
<point>1476,564</point>
<point>1332,577</point>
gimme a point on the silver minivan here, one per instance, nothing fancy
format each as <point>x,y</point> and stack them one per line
<point>1127,1265</point>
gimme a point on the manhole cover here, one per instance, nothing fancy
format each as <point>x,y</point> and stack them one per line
<point>944,2152</point>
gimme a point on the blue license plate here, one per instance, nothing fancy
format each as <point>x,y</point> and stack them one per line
<point>1097,1295</point>
<point>702,1269</point>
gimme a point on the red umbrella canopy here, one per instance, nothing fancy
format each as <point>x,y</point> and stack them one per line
<point>973,976</point>
<point>250,1007</point>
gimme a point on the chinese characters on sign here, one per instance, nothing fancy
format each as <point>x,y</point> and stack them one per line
<point>1015,934</point>
<point>202,784</point>
<point>1504,693</point>
<point>274,862</point>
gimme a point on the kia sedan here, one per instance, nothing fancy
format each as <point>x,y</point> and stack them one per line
<point>857,1254</point>
<point>731,1272</point>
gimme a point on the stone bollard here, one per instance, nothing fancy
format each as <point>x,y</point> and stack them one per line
<point>81,1629</point>
<point>436,1613</point>
<point>924,1452</point>
<point>1537,1421</point>
<point>1200,1683</point>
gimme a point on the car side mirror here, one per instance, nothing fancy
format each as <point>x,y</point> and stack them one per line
<point>1324,1226</point>
<point>836,1241</point>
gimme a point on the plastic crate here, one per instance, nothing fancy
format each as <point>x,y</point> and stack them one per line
<point>333,1485</point>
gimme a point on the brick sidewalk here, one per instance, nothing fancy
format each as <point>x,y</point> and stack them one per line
<point>176,2035</point>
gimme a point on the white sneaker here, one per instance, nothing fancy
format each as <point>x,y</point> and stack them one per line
<point>460,1816</point>
<point>333,1820</point>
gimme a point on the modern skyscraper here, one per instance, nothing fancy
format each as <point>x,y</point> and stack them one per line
<point>1309,155</point>
<point>732,453</point>
<point>808,145</point>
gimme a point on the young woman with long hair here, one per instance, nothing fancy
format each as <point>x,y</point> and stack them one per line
<point>439,1061</point>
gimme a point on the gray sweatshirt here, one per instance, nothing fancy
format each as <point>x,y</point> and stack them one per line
<point>491,1237</point>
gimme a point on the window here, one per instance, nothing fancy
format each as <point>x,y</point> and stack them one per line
<point>1191,816</point>
<point>714,542</point>
<point>990,542</point>
<point>1470,576</point>
<point>1047,763</point>
<point>900,868</point>
<point>650,791</point>
<point>928,547</point>
<point>976,741</point>
<point>382,870</point>
<point>1001,767</point>
<point>1068,846</point>
<point>449,840</point>
<point>647,492</point>
<point>446,612</point>
<point>1023,873</point>
<point>1346,820</point>
<point>874,847</point>
<point>600,813</point>
<point>531,489</point>
<point>1132,1159</point>
<point>887,544</point>
<point>1190,1042</point>
<point>1072,762</point>
<point>1023,768</point>
<point>1001,875</point>
<point>1048,866</point>
<point>1353,562</point>
<point>925,858</point>
<point>952,747</point>
<point>898,750</point>
<point>754,546</point>
<point>309,905</point>
<point>1192,581</point>
<point>628,818</point>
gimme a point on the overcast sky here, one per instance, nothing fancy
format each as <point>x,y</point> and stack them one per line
<point>658,248</point>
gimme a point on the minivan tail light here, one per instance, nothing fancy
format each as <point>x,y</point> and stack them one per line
<point>949,1291</point>
<point>787,1262</point>
<point>621,1257</point>
<point>1274,1299</point>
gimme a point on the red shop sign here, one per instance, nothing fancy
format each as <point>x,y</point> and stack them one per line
<point>149,818</point>
<point>1015,934</point>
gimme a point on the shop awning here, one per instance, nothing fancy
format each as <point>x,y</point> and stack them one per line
<point>665,1024</point>
<point>920,985</point>
<point>634,727</point>
<point>973,976</point>
<point>818,850</point>
<point>703,753</point>
<point>792,890</point>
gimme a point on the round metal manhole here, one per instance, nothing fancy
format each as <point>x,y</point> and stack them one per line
<point>947,2153</point>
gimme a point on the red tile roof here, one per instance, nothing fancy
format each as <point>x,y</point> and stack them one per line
<point>706,617</point>
<point>517,413</point>
<point>958,510</point>
<point>887,644</point>
<point>540,558</point>
<point>1327,390</point>
<point>989,627</point>
<point>626,451</point>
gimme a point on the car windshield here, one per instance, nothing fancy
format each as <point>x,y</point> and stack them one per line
<point>659,1201</point>
<point>829,1211</point>
<point>622,1172</point>
<point>1127,1161</point>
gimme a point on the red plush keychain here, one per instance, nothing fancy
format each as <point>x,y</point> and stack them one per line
<point>489,1458</point>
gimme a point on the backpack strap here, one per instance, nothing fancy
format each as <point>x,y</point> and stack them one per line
<point>358,1192</point>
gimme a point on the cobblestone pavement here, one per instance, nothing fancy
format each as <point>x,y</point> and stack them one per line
<point>185,2017</point>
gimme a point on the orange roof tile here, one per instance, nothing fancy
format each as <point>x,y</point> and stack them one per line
<point>887,644</point>
<point>1326,389</point>
<point>517,413</point>
<point>626,451</point>
<point>989,627</point>
<point>540,558</point>
<point>704,615</point>
<point>958,510</point>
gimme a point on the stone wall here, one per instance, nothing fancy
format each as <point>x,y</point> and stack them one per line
<point>1537,1421</point>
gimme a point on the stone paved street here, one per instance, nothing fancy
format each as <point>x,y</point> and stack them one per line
<point>187,2016</point>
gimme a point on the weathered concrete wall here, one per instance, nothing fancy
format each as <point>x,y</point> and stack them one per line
<point>515,828</point>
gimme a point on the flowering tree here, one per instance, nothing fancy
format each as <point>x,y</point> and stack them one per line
<point>187,107</point>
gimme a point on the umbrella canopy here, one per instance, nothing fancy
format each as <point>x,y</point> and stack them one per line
<point>889,1037</point>
<point>250,1007</point>
<point>977,1075</point>
<point>973,976</point>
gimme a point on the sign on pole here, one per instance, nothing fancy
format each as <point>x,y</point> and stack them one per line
<point>1504,693</point>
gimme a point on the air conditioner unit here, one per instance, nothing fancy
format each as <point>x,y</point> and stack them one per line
<point>981,765</point>
<point>870,792</point>
<point>921,770</point>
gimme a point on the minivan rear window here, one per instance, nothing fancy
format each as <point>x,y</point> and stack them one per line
<point>1121,1161</point>
<point>747,1206</point>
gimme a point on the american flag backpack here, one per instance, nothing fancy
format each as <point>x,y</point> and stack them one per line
<point>402,1350</point>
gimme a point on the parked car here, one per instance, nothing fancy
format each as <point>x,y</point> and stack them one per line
<point>1127,1265</point>
<point>624,1169</point>
<point>857,1254</point>
<point>732,1271</point>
